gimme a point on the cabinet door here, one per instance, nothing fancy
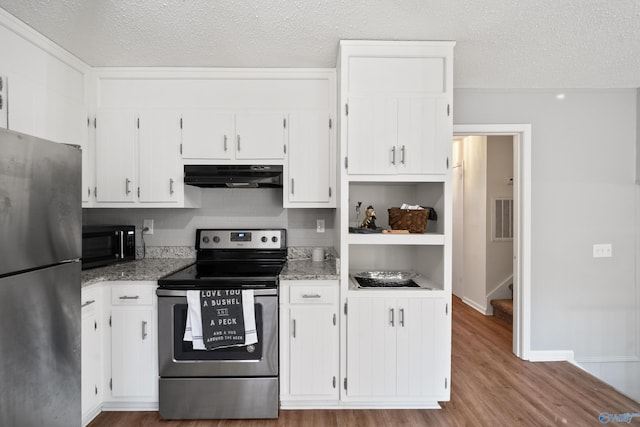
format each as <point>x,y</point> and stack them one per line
<point>260,136</point>
<point>422,347</point>
<point>90,360</point>
<point>115,156</point>
<point>314,351</point>
<point>371,347</point>
<point>372,126</point>
<point>133,371</point>
<point>207,134</point>
<point>159,139</point>
<point>309,162</point>
<point>421,138</point>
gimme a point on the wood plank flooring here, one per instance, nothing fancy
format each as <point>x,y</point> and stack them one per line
<point>490,387</point>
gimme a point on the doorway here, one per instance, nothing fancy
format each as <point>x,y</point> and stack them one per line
<point>521,134</point>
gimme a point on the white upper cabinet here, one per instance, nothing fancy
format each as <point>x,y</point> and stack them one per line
<point>260,136</point>
<point>116,132</point>
<point>159,165</point>
<point>310,172</point>
<point>207,134</point>
<point>397,106</point>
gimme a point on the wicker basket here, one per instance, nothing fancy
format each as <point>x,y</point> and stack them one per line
<point>414,220</point>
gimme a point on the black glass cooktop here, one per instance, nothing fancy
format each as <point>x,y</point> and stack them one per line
<point>229,274</point>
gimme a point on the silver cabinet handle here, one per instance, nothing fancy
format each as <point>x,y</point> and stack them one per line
<point>393,155</point>
<point>311,296</point>
<point>238,143</point>
<point>391,319</point>
<point>144,329</point>
<point>171,186</point>
<point>128,297</point>
<point>88,191</point>
<point>127,181</point>
<point>294,328</point>
<point>402,317</point>
<point>334,319</point>
<point>122,245</point>
<point>334,382</point>
<point>88,303</point>
<point>292,183</point>
<point>402,155</point>
<point>225,143</point>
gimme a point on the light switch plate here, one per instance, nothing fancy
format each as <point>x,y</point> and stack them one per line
<point>320,225</point>
<point>602,250</point>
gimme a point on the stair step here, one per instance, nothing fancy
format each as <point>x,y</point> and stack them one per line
<point>503,309</point>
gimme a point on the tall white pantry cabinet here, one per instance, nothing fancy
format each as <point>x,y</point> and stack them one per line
<point>395,112</point>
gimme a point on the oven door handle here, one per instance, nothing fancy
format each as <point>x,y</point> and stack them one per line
<point>183,293</point>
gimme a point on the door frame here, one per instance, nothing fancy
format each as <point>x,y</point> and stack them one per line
<point>521,134</point>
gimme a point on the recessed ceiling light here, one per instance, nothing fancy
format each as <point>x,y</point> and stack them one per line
<point>560,96</point>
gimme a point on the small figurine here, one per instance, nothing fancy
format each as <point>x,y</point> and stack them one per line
<point>369,218</point>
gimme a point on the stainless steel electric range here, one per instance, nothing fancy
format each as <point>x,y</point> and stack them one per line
<point>232,382</point>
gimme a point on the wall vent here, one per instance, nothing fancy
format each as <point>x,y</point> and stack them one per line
<point>503,219</point>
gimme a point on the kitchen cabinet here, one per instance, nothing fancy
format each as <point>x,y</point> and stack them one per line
<point>222,135</point>
<point>398,348</point>
<point>309,342</point>
<point>396,99</point>
<point>395,141</point>
<point>137,159</point>
<point>309,179</point>
<point>133,343</point>
<point>91,353</point>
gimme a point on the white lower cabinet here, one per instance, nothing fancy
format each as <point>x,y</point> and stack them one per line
<point>309,342</point>
<point>91,353</point>
<point>133,367</point>
<point>398,349</point>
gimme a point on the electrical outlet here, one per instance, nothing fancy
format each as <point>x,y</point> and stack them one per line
<point>320,225</point>
<point>148,223</point>
<point>602,250</point>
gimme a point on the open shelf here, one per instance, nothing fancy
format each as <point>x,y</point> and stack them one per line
<point>396,239</point>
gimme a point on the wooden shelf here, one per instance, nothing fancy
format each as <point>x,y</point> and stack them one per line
<point>396,239</point>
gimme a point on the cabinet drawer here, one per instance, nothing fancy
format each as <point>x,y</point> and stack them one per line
<point>89,298</point>
<point>131,295</point>
<point>313,294</point>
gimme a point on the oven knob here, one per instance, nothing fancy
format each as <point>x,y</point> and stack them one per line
<point>216,239</point>
<point>264,239</point>
<point>205,239</point>
<point>274,239</point>
<point>251,348</point>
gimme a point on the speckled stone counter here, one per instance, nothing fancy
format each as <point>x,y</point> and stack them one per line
<point>300,267</point>
<point>139,270</point>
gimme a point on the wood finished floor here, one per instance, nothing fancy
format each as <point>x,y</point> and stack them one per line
<point>490,387</point>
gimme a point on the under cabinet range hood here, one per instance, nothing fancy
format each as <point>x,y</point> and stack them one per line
<point>233,176</point>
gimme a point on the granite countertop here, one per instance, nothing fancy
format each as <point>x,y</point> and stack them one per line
<point>305,269</point>
<point>138,270</point>
<point>298,267</point>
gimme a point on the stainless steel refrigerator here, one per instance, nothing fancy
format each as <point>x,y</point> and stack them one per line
<point>40,248</point>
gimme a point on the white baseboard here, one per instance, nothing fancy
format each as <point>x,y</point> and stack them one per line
<point>130,406</point>
<point>89,416</point>
<point>475,306</point>
<point>551,356</point>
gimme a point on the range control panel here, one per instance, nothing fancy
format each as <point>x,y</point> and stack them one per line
<point>241,239</point>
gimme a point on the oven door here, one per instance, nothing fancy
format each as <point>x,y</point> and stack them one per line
<point>177,358</point>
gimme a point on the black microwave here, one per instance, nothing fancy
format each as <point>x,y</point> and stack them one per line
<point>107,244</point>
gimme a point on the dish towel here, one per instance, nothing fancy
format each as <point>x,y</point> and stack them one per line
<point>220,318</point>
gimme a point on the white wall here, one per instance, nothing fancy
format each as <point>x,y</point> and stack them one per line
<point>223,208</point>
<point>583,192</point>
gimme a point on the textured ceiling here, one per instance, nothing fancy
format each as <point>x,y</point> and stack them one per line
<point>500,43</point>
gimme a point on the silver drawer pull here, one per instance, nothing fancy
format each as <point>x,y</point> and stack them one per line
<point>311,296</point>
<point>294,328</point>
<point>88,303</point>
<point>128,297</point>
<point>144,329</point>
